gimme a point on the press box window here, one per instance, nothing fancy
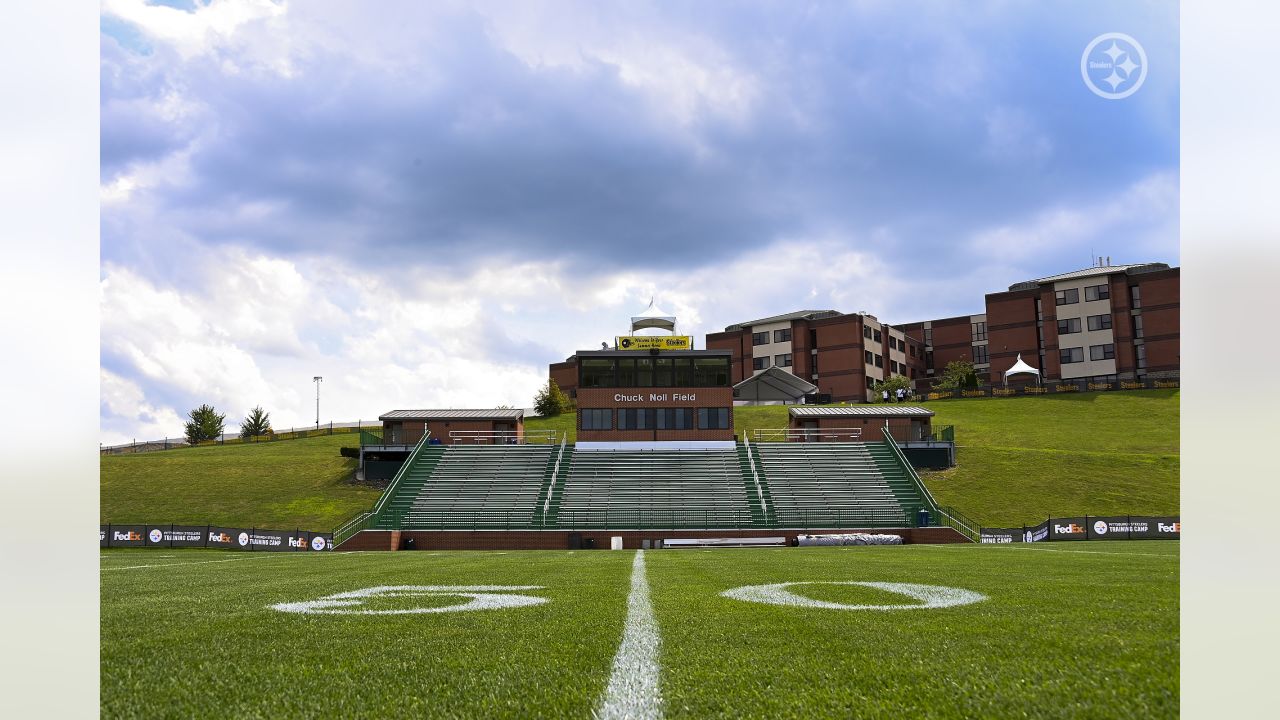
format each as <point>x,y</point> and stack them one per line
<point>1102,352</point>
<point>636,418</point>
<point>1066,356</point>
<point>711,372</point>
<point>1068,326</point>
<point>596,372</point>
<point>1067,297</point>
<point>1099,322</point>
<point>760,338</point>
<point>713,418</point>
<point>596,419</point>
<point>675,418</point>
<point>783,335</point>
<point>782,360</point>
<point>1097,292</point>
<point>759,363</point>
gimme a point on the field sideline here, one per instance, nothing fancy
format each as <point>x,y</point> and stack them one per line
<point>1067,630</point>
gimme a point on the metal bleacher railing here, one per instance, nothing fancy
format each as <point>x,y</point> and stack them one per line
<point>755,476</point>
<point>944,514</point>
<point>807,434</point>
<point>364,519</point>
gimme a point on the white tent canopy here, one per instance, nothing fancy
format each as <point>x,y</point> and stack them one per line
<point>653,318</point>
<point>1020,367</point>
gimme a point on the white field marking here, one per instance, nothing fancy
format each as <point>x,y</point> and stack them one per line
<point>633,691</point>
<point>1015,546</point>
<point>483,597</point>
<point>931,596</point>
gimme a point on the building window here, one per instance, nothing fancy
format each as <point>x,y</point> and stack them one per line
<point>596,372</point>
<point>893,366</point>
<point>928,337</point>
<point>1141,351</point>
<point>1099,322</point>
<point>1102,352</point>
<point>783,335</point>
<point>1068,326</point>
<point>879,361</point>
<point>912,350</point>
<point>913,373</point>
<point>1097,292</point>
<point>1137,326</point>
<point>875,336</point>
<point>713,418</point>
<point>866,331</point>
<point>627,372</point>
<point>1066,356</point>
<point>979,331</point>
<point>1067,297</point>
<point>760,338</point>
<point>636,418</point>
<point>663,375</point>
<point>813,338</point>
<point>1135,296</point>
<point>871,383</point>
<point>870,356</point>
<point>928,359</point>
<point>644,372</point>
<point>675,418</point>
<point>759,363</point>
<point>782,360</point>
<point>980,355</point>
<point>596,419</point>
<point>1039,312</point>
<point>711,372</point>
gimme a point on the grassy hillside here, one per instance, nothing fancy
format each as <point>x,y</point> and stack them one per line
<point>1020,460</point>
<point>297,483</point>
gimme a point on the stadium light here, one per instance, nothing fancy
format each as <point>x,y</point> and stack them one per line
<point>317,380</point>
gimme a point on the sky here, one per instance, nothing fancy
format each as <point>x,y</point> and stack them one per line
<point>427,203</point>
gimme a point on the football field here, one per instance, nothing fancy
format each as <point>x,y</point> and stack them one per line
<point>963,631</point>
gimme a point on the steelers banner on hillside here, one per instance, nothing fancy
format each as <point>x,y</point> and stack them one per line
<point>1089,527</point>
<point>653,342</point>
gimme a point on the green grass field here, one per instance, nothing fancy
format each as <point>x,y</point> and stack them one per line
<point>287,484</point>
<point>1071,630</point>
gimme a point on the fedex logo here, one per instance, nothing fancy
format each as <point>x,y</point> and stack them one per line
<point>1171,528</point>
<point>300,543</point>
<point>219,537</point>
<point>1069,529</point>
<point>126,536</point>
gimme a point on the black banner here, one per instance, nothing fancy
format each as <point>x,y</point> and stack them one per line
<point>213,536</point>
<point>175,535</point>
<point>1000,536</point>
<point>126,535</point>
<point>1090,527</point>
<point>1036,533</point>
<point>1068,528</point>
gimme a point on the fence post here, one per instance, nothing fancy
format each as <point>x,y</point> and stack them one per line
<point>207,529</point>
<point>252,531</point>
<point>109,537</point>
<point>1086,528</point>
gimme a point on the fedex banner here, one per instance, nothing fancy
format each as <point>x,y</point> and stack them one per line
<point>213,536</point>
<point>1089,527</point>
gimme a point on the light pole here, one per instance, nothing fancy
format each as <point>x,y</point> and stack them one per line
<point>317,380</point>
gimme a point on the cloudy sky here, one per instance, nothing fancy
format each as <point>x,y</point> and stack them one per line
<point>428,202</point>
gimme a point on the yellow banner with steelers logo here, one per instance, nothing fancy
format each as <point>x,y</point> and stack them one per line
<point>654,342</point>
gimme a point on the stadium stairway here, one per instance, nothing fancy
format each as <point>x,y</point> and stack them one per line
<point>896,477</point>
<point>406,491</point>
<point>760,516</point>
<point>832,485</point>
<point>553,486</point>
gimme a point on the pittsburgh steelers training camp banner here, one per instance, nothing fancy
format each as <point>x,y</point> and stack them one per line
<point>213,536</point>
<point>1090,527</point>
<point>651,342</point>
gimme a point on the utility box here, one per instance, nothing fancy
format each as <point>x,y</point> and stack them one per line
<point>615,542</point>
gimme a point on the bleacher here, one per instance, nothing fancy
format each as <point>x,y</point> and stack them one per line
<point>493,486</point>
<point>829,484</point>
<point>653,488</point>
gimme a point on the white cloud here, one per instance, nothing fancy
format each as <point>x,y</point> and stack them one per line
<point>196,32</point>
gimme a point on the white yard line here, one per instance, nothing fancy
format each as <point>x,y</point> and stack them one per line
<point>633,691</point>
<point>1012,546</point>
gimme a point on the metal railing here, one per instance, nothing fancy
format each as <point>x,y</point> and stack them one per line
<point>503,437</point>
<point>806,434</point>
<point>764,508</point>
<point>955,519</point>
<point>687,519</point>
<point>546,505</point>
<point>293,433</point>
<point>361,521</point>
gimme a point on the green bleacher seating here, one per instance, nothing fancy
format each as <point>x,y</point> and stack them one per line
<point>828,485</point>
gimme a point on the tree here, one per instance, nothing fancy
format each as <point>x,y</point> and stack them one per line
<point>255,424</point>
<point>892,384</point>
<point>206,424</point>
<point>958,374</point>
<point>551,400</point>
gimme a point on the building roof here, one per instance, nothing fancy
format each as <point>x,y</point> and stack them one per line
<point>1092,272</point>
<point>797,315</point>
<point>485,414</point>
<point>773,384</point>
<point>653,317</point>
<point>861,411</point>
